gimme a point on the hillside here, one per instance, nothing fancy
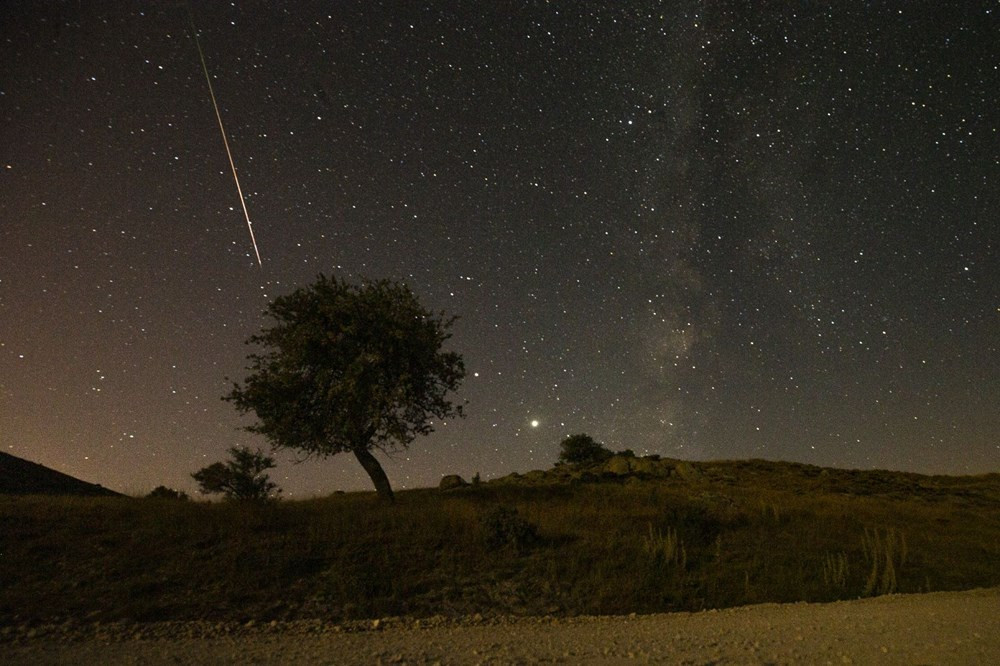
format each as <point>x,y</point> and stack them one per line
<point>629,535</point>
<point>23,477</point>
<point>790,477</point>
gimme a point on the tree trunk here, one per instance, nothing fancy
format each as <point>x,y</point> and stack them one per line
<point>375,471</point>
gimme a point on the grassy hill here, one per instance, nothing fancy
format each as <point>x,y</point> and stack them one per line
<point>625,536</point>
<point>23,477</point>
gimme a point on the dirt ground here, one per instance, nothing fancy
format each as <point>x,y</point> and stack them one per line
<point>937,628</point>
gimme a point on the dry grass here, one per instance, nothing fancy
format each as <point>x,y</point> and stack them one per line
<point>885,552</point>
<point>740,533</point>
<point>835,571</point>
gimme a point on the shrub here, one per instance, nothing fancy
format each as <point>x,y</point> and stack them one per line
<point>243,477</point>
<point>162,492</point>
<point>582,449</point>
<point>505,528</point>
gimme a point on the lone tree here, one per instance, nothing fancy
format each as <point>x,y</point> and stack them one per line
<point>581,450</point>
<point>242,477</point>
<point>350,368</point>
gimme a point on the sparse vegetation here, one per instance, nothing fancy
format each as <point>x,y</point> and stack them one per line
<point>608,544</point>
<point>665,546</point>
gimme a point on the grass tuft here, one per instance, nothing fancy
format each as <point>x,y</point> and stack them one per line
<point>885,552</point>
<point>665,547</point>
<point>835,571</point>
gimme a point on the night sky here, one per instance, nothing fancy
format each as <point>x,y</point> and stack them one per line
<point>702,230</point>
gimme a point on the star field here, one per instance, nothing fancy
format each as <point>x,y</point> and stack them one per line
<point>693,229</point>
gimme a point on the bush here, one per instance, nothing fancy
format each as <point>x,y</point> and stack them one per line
<point>242,477</point>
<point>582,450</point>
<point>505,528</point>
<point>162,492</point>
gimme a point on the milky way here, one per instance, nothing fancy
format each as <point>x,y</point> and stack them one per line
<point>694,229</point>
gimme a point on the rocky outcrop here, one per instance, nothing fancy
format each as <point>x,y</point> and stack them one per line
<point>617,465</point>
<point>687,471</point>
<point>642,467</point>
<point>622,467</point>
<point>451,482</point>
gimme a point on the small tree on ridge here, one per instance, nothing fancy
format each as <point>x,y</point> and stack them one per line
<point>582,449</point>
<point>242,477</point>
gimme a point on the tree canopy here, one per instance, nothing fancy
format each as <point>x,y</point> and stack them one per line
<point>582,449</point>
<point>350,368</point>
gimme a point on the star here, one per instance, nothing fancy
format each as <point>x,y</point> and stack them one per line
<point>681,245</point>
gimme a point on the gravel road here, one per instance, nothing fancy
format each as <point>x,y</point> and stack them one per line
<point>937,628</point>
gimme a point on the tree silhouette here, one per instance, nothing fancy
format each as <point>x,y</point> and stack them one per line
<point>582,449</point>
<point>350,368</point>
<point>242,477</point>
<point>162,492</point>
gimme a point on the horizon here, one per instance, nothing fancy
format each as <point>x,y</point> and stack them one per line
<point>194,494</point>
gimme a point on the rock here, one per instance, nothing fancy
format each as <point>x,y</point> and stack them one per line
<point>513,477</point>
<point>618,465</point>
<point>643,466</point>
<point>584,477</point>
<point>687,471</point>
<point>536,476</point>
<point>664,468</point>
<point>452,481</point>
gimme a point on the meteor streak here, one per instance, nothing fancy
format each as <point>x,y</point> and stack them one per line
<point>225,140</point>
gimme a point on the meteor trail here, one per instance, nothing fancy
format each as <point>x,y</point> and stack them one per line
<point>225,141</point>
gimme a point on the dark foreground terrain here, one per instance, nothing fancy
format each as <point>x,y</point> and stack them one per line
<point>630,535</point>
<point>935,628</point>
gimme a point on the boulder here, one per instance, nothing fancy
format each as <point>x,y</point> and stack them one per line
<point>536,476</point>
<point>513,477</point>
<point>451,481</point>
<point>663,468</point>
<point>643,466</point>
<point>618,465</point>
<point>687,471</point>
